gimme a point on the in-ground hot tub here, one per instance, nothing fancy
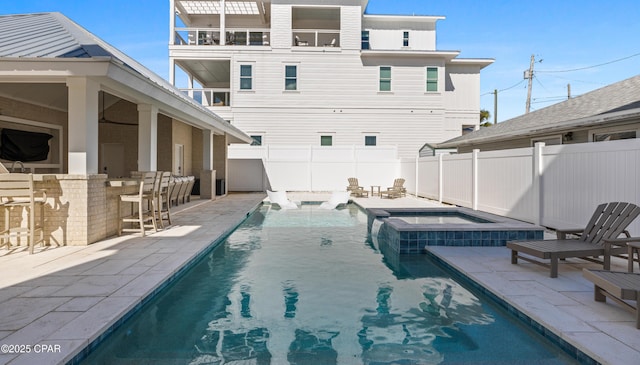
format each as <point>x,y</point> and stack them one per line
<point>410,230</point>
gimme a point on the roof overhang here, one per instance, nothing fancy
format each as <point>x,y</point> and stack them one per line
<point>445,55</point>
<point>481,62</point>
<point>122,81</point>
<point>621,117</point>
<point>396,18</point>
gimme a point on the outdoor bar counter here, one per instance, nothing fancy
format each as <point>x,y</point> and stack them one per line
<point>81,209</point>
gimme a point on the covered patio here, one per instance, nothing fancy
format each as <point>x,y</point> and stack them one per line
<point>103,115</point>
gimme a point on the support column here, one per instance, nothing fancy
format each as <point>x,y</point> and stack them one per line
<point>208,174</point>
<point>220,159</point>
<point>83,125</point>
<point>223,24</point>
<point>147,137</point>
<point>172,71</point>
<point>172,22</point>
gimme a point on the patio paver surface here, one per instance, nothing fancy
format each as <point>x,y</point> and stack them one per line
<point>67,296</point>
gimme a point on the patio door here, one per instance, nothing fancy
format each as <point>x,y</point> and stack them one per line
<point>178,160</point>
<point>112,159</point>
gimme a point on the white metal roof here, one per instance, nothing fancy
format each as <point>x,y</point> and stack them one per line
<point>54,37</point>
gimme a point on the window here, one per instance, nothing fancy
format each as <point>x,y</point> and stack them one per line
<point>365,39</point>
<point>432,79</point>
<point>369,140</point>
<point>326,140</point>
<point>246,77</point>
<point>548,140</point>
<point>405,39</point>
<point>385,78</point>
<point>257,140</point>
<point>468,128</point>
<point>613,136</point>
<point>291,77</point>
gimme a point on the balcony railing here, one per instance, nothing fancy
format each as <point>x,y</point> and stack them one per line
<point>210,97</point>
<point>316,38</point>
<point>233,36</point>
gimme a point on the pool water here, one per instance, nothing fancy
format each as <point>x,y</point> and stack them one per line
<point>436,219</point>
<point>316,291</point>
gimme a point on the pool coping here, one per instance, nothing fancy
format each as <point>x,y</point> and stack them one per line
<point>496,222</point>
<point>484,229</point>
<point>187,265</point>
<point>570,349</point>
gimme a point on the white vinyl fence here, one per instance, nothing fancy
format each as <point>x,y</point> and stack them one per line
<point>310,168</point>
<point>555,186</point>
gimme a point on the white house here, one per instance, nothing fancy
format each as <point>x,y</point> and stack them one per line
<point>325,72</point>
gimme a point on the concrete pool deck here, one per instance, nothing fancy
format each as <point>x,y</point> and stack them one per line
<point>66,297</point>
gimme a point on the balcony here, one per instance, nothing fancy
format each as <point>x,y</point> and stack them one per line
<point>233,37</point>
<point>315,38</point>
<point>210,97</point>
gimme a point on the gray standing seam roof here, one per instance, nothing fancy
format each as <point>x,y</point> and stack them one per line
<point>620,96</point>
<point>53,35</point>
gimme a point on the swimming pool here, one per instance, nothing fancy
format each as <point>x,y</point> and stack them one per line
<point>411,230</point>
<point>306,287</point>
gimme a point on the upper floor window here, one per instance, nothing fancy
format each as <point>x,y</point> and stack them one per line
<point>291,77</point>
<point>432,79</point>
<point>365,39</point>
<point>257,140</point>
<point>326,140</point>
<point>246,77</point>
<point>405,39</point>
<point>370,140</point>
<point>385,78</point>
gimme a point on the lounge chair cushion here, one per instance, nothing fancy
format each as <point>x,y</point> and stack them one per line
<point>280,198</point>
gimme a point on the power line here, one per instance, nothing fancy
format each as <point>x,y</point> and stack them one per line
<point>505,89</point>
<point>588,67</point>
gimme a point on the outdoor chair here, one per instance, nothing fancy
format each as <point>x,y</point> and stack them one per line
<point>16,193</point>
<point>162,199</point>
<point>145,194</point>
<point>621,287</point>
<point>175,189</point>
<point>182,194</point>
<point>337,198</point>
<point>395,191</point>
<point>191,180</point>
<point>355,189</point>
<point>353,184</point>
<point>598,238</point>
<point>280,198</point>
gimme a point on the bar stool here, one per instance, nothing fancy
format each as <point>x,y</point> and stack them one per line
<point>144,195</point>
<point>17,191</point>
<point>162,198</point>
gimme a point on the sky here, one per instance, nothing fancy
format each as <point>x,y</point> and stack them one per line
<point>586,44</point>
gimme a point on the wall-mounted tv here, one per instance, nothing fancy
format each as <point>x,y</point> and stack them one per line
<point>17,145</point>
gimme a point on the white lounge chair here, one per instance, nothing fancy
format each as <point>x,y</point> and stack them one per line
<point>337,198</point>
<point>280,198</point>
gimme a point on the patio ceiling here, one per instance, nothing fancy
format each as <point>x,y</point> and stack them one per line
<point>209,73</point>
<point>213,7</point>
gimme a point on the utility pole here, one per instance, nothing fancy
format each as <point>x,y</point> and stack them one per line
<point>568,91</point>
<point>529,75</point>
<point>495,106</point>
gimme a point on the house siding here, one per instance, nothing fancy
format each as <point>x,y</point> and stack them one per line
<point>338,88</point>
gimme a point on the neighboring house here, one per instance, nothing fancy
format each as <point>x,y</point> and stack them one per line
<point>97,113</point>
<point>608,113</point>
<point>321,73</point>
